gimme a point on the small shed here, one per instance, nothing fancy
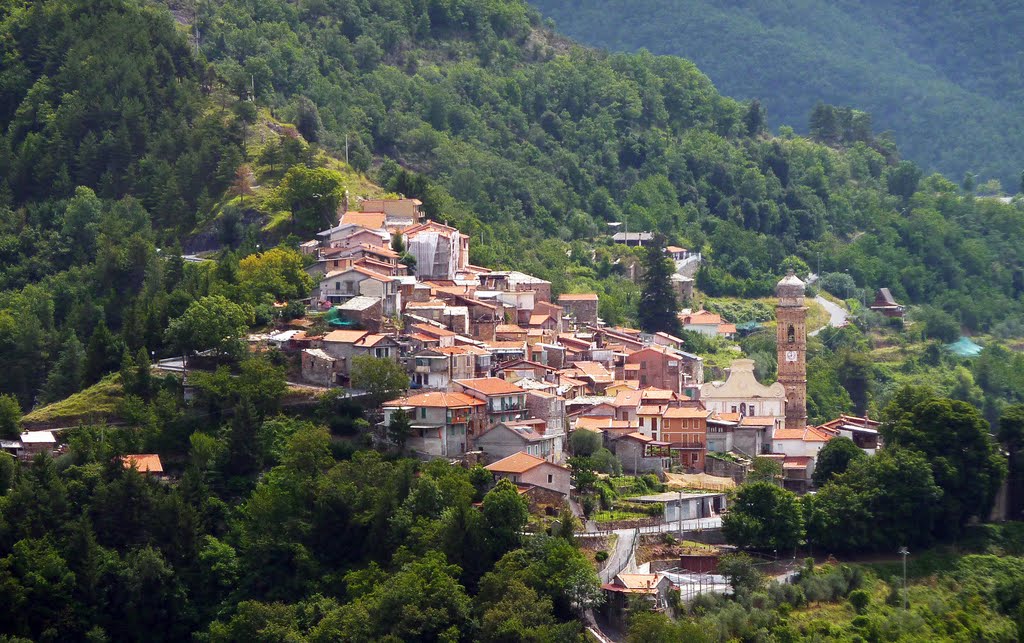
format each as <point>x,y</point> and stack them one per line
<point>318,367</point>
<point>687,506</point>
<point>34,442</point>
<point>145,463</point>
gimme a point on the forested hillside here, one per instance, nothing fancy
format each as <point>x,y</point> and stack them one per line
<point>945,78</point>
<point>523,134</point>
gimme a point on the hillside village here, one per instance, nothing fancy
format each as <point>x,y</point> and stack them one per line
<point>501,372</point>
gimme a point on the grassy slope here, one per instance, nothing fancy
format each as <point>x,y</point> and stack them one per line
<point>98,401</point>
<point>258,136</point>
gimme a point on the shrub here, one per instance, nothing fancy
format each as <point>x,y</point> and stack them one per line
<point>601,556</point>
<point>860,600</point>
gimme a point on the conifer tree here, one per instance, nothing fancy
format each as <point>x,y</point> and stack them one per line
<point>68,374</point>
<point>103,354</point>
<point>658,304</point>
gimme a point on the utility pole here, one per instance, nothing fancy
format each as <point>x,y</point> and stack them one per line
<point>680,510</point>
<point>906,600</point>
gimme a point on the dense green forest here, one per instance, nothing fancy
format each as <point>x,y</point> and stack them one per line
<point>946,81</point>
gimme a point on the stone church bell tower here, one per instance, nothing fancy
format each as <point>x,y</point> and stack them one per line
<point>791,335</point>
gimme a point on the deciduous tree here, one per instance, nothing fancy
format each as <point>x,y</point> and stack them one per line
<point>764,516</point>
<point>834,458</point>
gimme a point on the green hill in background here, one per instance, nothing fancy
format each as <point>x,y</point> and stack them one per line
<point>947,78</point>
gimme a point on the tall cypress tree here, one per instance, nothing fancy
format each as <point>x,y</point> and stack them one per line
<point>658,303</point>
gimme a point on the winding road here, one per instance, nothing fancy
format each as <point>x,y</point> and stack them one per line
<point>837,315</point>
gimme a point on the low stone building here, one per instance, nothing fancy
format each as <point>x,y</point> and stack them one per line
<point>318,367</point>
<point>581,307</point>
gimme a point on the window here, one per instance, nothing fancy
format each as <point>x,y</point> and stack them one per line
<point>751,409</point>
<point>734,408</point>
<point>551,478</point>
<point>693,457</point>
<point>743,408</point>
<point>337,285</point>
<point>791,334</point>
<point>654,424</point>
<point>423,412</point>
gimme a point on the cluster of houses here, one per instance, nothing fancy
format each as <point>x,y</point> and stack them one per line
<point>502,371</point>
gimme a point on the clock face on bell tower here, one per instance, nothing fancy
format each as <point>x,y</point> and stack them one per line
<point>791,336</point>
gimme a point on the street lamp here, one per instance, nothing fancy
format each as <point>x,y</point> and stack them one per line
<point>904,552</point>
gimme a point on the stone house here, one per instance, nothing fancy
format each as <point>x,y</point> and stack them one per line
<point>550,408</point>
<point>581,307</point>
<point>318,367</point>
<point>525,469</point>
<point>504,440</point>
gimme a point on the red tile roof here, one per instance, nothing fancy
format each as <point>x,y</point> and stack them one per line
<point>586,296</point>
<point>753,420</point>
<point>600,423</point>
<point>810,434</point>
<point>701,317</point>
<point>344,336</point>
<point>433,331</point>
<point>373,220</point>
<point>490,386</point>
<point>436,400</point>
<point>516,463</point>
<point>143,462</point>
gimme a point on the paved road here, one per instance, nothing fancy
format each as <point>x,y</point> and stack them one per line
<point>837,315</point>
<point>624,556</point>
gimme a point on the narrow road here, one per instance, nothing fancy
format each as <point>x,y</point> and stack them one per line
<point>623,558</point>
<point>837,315</point>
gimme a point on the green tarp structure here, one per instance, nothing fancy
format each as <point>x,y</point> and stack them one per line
<point>964,347</point>
<point>335,318</point>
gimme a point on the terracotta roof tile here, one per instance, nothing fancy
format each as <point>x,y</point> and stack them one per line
<point>372,220</point>
<point>753,420</point>
<point>438,399</point>
<point>143,462</point>
<point>516,463</point>
<point>490,386</point>
<point>344,336</point>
